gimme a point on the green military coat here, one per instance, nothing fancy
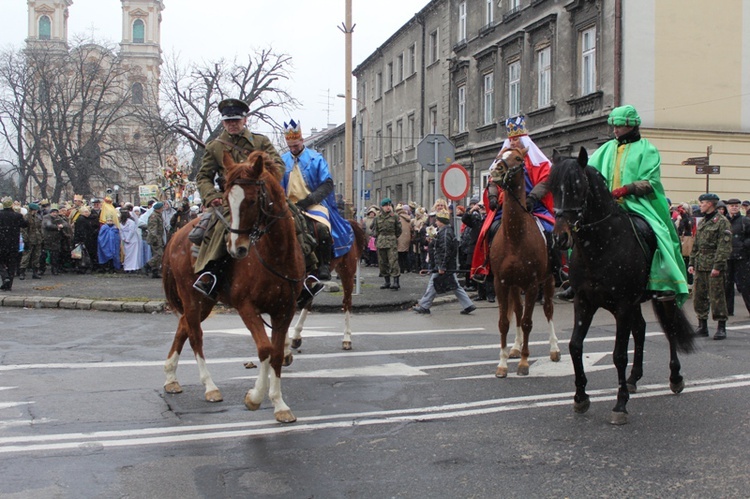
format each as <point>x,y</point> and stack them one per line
<point>713,244</point>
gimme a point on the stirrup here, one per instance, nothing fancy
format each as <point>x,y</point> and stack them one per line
<point>197,285</point>
<point>308,293</point>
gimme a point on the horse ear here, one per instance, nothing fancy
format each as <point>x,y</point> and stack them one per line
<point>227,160</point>
<point>258,165</point>
<point>583,157</point>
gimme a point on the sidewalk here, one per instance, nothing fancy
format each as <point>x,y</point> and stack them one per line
<point>138,293</point>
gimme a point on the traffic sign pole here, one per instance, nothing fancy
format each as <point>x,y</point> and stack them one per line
<point>436,171</point>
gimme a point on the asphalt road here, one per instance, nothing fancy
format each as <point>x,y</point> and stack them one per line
<point>414,410</point>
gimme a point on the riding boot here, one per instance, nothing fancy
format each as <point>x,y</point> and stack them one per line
<point>208,281</point>
<point>325,247</point>
<point>396,286</point>
<point>721,331</point>
<point>387,284</point>
<point>308,293</point>
<point>702,328</point>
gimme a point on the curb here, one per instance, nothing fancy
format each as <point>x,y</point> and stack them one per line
<point>149,307</point>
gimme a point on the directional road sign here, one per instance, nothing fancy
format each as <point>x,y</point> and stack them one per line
<point>700,160</point>
<point>707,169</point>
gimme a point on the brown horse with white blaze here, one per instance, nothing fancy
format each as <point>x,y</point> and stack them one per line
<point>520,262</point>
<point>263,275</point>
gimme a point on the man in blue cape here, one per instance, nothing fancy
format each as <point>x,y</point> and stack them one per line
<point>308,184</point>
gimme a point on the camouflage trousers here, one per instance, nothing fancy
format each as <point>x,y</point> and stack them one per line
<point>388,262</point>
<point>709,292</point>
<point>32,253</point>
<point>157,252</point>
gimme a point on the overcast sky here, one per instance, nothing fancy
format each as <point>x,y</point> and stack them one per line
<point>205,31</point>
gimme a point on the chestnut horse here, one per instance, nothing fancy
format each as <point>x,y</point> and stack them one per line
<point>609,269</point>
<point>264,275</point>
<point>346,268</point>
<point>520,263</point>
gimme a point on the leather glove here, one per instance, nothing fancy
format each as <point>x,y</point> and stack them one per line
<point>620,192</point>
<point>493,203</point>
<point>530,202</point>
<point>304,204</point>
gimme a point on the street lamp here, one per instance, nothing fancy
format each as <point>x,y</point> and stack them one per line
<point>359,175</point>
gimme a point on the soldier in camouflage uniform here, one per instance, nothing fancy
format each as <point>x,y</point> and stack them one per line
<point>386,228</point>
<point>156,239</point>
<point>708,263</point>
<point>32,242</point>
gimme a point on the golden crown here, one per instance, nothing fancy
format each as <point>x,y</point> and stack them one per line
<point>292,131</point>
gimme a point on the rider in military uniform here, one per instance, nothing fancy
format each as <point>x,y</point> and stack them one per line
<point>239,142</point>
<point>708,263</point>
<point>387,228</point>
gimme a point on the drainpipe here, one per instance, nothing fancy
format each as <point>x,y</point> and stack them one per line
<point>618,54</point>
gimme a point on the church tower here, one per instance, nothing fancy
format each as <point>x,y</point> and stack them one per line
<point>48,23</point>
<point>140,48</point>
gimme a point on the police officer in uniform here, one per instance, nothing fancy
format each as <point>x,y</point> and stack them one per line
<point>239,142</point>
<point>708,264</point>
<point>387,228</point>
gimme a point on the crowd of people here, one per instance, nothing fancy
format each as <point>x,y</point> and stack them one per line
<point>86,237</point>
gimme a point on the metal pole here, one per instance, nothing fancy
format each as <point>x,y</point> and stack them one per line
<point>359,197</point>
<point>436,170</point>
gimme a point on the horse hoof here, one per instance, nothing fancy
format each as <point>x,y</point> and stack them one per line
<point>515,354</point>
<point>285,416</point>
<point>522,370</point>
<point>288,359</point>
<point>677,387</point>
<point>554,356</point>
<point>296,343</point>
<point>346,345</point>
<point>581,407</point>
<point>618,418</point>
<point>632,388</point>
<point>502,372</point>
<point>214,396</point>
<point>252,406</point>
<point>173,387</point>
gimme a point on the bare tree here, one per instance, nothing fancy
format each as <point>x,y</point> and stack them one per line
<point>66,117</point>
<point>191,94</point>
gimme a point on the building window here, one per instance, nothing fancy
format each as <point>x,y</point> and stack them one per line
<point>489,12</point>
<point>514,6</point>
<point>139,30</point>
<point>137,94</point>
<point>378,85</point>
<point>433,47</point>
<point>400,68</point>
<point>544,78</point>
<point>462,22</point>
<point>389,76</point>
<point>514,88</point>
<point>389,140</point>
<point>399,135</point>
<point>588,61</point>
<point>378,144</point>
<point>45,28</point>
<point>462,109</point>
<point>411,131</point>
<point>489,98</point>
<point>335,155</point>
<point>433,120</point>
<point>412,68</point>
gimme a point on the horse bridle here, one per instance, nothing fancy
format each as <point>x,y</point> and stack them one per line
<point>255,232</point>
<point>578,224</point>
<point>508,173</point>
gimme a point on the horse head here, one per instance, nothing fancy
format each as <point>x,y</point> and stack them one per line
<point>569,185</point>
<point>508,162</point>
<point>250,195</point>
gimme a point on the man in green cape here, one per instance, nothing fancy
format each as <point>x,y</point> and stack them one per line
<point>631,166</point>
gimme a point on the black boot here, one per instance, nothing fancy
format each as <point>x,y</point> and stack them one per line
<point>325,248</point>
<point>721,331</point>
<point>568,294</point>
<point>22,275</point>
<point>308,293</point>
<point>35,274</point>
<point>396,286</point>
<point>702,328</point>
<point>387,284</point>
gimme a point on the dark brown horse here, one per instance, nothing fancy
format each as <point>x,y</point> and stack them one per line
<point>520,263</point>
<point>264,275</point>
<point>346,268</point>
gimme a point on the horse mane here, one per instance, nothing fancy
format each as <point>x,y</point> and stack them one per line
<point>246,169</point>
<point>568,179</point>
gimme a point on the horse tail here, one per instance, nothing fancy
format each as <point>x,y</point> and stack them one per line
<point>169,282</point>
<point>675,324</point>
<point>360,239</point>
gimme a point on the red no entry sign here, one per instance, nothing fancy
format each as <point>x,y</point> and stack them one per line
<point>455,182</point>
